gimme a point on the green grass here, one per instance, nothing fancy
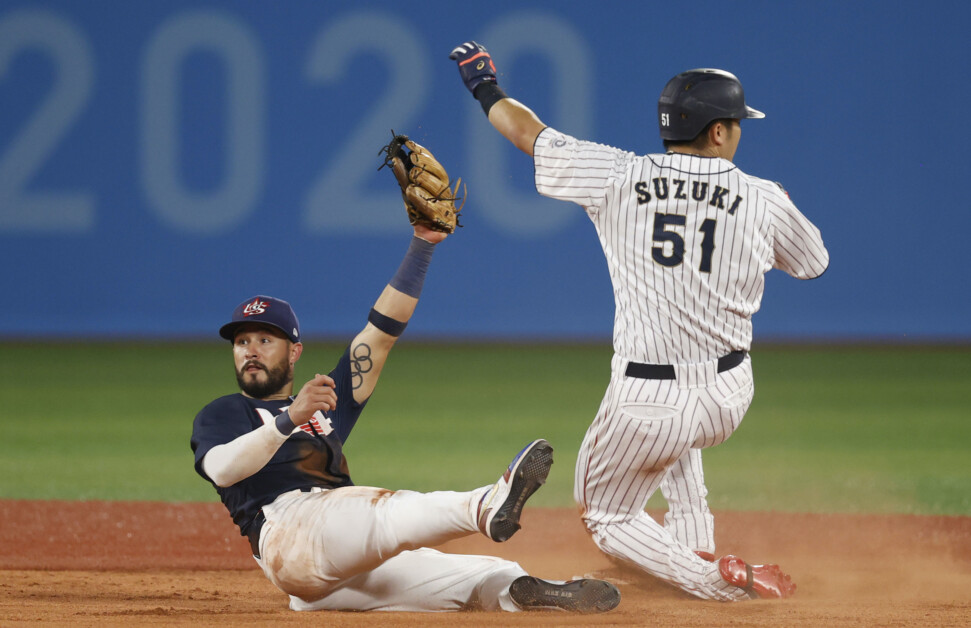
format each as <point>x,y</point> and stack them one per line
<point>855,429</point>
<point>835,429</point>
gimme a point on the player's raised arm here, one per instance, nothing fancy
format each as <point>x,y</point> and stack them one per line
<point>514,120</point>
<point>429,198</point>
<point>391,312</point>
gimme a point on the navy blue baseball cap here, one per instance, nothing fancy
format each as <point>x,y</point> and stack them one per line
<point>266,311</point>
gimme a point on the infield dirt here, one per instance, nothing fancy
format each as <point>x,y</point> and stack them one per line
<point>147,563</point>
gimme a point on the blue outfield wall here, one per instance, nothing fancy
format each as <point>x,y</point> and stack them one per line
<point>162,161</point>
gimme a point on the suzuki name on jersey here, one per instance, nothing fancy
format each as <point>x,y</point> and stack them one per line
<point>680,188</point>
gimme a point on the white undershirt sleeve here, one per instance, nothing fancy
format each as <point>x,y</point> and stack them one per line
<point>238,459</point>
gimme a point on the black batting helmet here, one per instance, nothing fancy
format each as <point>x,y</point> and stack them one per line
<point>694,98</point>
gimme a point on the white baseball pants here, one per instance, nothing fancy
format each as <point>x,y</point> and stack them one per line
<point>647,434</point>
<point>364,548</point>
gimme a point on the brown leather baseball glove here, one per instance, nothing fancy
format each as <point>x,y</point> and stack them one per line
<point>425,187</point>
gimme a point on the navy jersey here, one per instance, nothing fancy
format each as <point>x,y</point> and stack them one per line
<point>311,457</point>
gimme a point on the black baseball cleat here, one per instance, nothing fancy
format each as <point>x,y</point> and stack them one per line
<point>574,596</point>
<point>500,508</point>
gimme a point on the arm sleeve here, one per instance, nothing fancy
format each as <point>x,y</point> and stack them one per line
<point>572,170</point>
<point>798,245</point>
<point>347,412</point>
<point>240,458</point>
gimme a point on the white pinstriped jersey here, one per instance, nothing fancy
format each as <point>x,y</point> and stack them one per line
<point>688,240</point>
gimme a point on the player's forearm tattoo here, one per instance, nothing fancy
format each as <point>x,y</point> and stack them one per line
<point>360,364</point>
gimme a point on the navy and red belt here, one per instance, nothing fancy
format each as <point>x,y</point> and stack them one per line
<point>666,371</point>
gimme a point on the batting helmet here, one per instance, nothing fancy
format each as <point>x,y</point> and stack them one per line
<point>694,98</point>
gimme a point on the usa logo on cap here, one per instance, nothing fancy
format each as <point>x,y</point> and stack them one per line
<point>256,306</point>
<point>264,310</point>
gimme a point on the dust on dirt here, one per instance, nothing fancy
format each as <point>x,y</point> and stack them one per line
<point>111,564</point>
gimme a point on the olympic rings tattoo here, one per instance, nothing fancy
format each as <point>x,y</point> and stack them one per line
<point>361,363</point>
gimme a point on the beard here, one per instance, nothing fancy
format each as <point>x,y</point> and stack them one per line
<point>276,378</point>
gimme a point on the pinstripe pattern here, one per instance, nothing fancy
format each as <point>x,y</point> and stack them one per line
<point>669,315</point>
<point>643,427</point>
<point>637,542</point>
<point>688,240</point>
<point>688,519</point>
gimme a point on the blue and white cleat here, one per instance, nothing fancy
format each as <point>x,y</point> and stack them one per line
<point>500,508</point>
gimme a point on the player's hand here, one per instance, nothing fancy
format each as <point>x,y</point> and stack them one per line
<point>317,394</point>
<point>475,64</point>
<point>429,235</point>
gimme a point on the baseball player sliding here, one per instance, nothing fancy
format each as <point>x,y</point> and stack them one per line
<point>688,238</point>
<point>277,461</point>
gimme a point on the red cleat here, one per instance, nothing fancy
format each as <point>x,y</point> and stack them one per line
<point>760,581</point>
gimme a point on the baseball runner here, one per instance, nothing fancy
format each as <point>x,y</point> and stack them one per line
<point>277,462</point>
<point>688,238</point>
